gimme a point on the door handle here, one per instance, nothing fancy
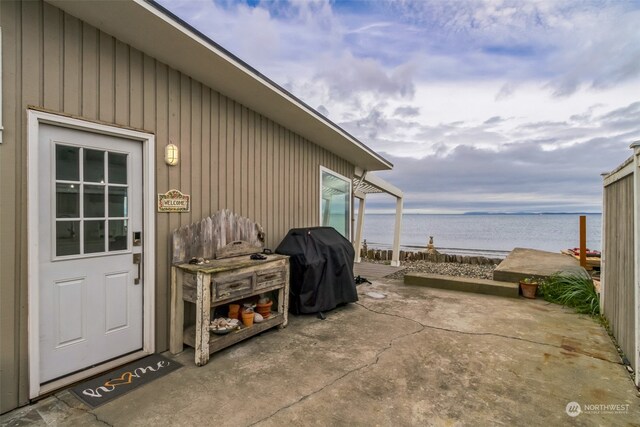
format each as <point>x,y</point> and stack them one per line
<point>137,259</point>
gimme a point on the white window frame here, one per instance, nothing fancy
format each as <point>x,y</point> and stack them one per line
<point>55,256</point>
<point>349,202</point>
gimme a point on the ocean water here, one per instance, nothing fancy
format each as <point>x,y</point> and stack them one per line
<point>488,235</point>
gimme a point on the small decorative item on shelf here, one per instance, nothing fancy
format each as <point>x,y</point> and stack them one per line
<point>264,307</point>
<point>529,287</point>
<point>234,311</point>
<point>222,326</point>
<point>247,317</point>
<point>257,318</point>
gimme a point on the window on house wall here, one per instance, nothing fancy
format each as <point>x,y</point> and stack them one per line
<point>335,203</point>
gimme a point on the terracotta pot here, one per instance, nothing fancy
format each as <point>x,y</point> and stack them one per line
<point>234,311</point>
<point>247,318</point>
<point>529,289</point>
<point>264,309</point>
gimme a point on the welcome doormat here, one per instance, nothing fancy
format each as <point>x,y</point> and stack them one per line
<point>105,388</point>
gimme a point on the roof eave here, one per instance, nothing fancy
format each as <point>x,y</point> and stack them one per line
<point>150,28</point>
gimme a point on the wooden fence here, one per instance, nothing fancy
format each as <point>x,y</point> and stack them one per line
<point>386,255</point>
<point>619,294</point>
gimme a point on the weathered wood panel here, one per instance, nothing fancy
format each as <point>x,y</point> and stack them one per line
<point>186,143</point>
<point>90,74</point>
<point>618,247</point>
<point>32,34</point>
<point>230,156</point>
<point>106,78</point>
<point>52,60</point>
<point>136,89</point>
<point>205,157</point>
<point>195,136</point>
<point>222,151</point>
<point>11,328</point>
<point>205,238</point>
<point>160,94</point>
<point>122,92</point>
<point>72,65</point>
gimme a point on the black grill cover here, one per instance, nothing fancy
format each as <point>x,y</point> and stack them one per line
<point>321,269</point>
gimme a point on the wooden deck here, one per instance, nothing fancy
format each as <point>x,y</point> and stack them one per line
<point>592,262</point>
<point>372,271</point>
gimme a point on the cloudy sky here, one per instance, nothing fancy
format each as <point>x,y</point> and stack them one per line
<point>481,105</point>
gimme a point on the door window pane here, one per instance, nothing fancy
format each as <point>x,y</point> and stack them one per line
<point>92,216</point>
<point>93,165</point>
<point>67,201</point>
<point>93,237</point>
<point>67,238</point>
<point>67,164</point>
<point>94,201</point>
<point>118,235</point>
<point>117,201</point>
<point>117,168</point>
<point>336,202</point>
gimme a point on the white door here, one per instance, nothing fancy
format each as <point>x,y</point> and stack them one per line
<point>90,289</point>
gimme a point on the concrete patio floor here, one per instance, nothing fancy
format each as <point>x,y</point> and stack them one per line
<point>419,356</point>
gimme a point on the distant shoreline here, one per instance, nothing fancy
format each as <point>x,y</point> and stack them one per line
<point>472,234</point>
<point>530,213</point>
<point>489,213</point>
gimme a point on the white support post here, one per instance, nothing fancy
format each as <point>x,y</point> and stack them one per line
<point>356,195</point>
<point>358,242</point>
<point>326,213</point>
<point>395,259</point>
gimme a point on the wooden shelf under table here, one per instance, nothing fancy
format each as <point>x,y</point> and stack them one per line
<point>218,342</point>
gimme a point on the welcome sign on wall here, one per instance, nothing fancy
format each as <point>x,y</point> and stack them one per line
<point>174,201</point>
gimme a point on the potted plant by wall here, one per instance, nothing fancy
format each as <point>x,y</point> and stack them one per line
<point>264,306</point>
<point>529,287</point>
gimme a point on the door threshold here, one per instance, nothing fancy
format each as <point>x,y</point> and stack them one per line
<point>55,385</point>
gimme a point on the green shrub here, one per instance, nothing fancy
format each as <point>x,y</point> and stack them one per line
<point>572,290</point>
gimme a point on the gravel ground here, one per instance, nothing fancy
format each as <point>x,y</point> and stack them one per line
<point>444,268</point>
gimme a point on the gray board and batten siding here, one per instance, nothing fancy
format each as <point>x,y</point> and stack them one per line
<point>619,263</point>
<point>230,156</point>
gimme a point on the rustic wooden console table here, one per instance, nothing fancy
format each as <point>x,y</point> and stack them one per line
<point>221,282</point>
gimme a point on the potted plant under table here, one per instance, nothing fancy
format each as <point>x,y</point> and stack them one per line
<point>529,287</point>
